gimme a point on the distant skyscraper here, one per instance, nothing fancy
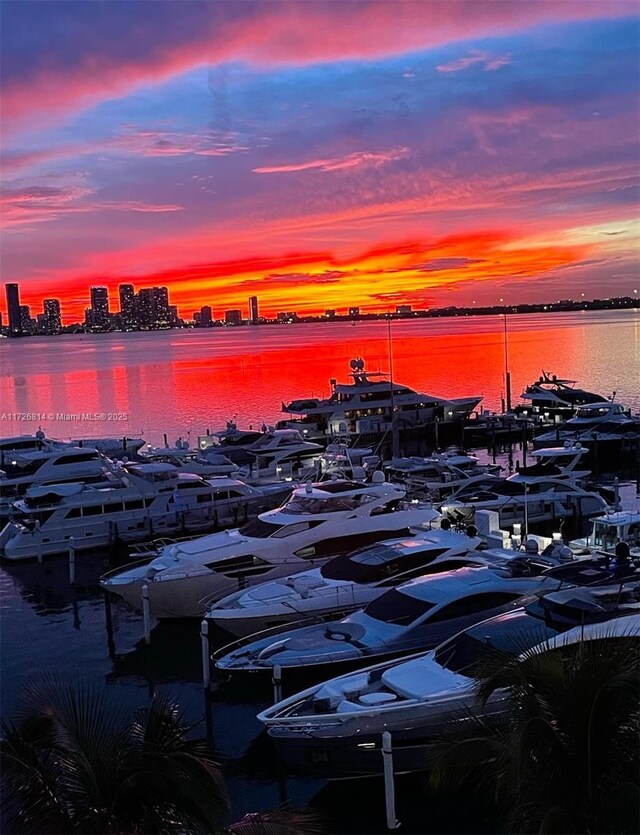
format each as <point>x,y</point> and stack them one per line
<point>403,309</point>
<point>26,322</point>
<point>354,311</point>
<point>52,316</point>
<point>205,316</point>
<point>253,310</point>
<point>127,306</point>
<point>13,308</point>
<point>233,317</point>
<point>330,314</point>
<point>100,306</point>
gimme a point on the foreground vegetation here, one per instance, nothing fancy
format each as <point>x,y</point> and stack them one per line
<point>71,763</point>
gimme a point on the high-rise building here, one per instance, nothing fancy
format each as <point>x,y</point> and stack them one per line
<point>27,324</point>
<point>330,314</point>
<point>233,317</point>
<point>127,306</point>
<point>403,309</point>
<point>52,316</point>
<point>13,308</point>
<point>253,310</point>
<point>153,309</point>
<point>354,312</point>
<point>100,306</point>
<point>145,307</point>
<point>206,319</point>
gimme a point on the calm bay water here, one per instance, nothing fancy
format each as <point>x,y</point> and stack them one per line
<point>187,381</point>
<point>183,382</point>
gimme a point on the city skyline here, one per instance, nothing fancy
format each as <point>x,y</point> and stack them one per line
<point>434,154</point>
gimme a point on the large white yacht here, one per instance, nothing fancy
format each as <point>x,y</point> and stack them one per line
<point>318,521</point>
<point>372,404</point>
<point>336,727</point>
<point>415,615</point>
<point>135,503</point>
<point>439,474</point>
<point>191,461</point>
<point>22,469</point>
<point>346,582</point>
<point>548,490</point>
<point>279,454</point>
<point>587,419</point>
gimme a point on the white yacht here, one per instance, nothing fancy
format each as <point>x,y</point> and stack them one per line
<point>279,454</point>
<point>548,490</point>
<point>439,474</point>
<point>588,419</point>
<point>336,727</point>
<point>135,503</point>
<point>22,469</point>
<point>191,461</point>
<point>346,582</point>
<point>318,521</point>
<point>607,531</point>
<point>372,404</point>
<point>414,616</point>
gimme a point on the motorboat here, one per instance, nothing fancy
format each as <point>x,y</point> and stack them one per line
<point>607,531</point>
<point>413,616</point>
<point>548,490</point>
<point>317,522</point>
<point>191,461</point>
<point>371,404</point>
<point>554,399</point>
<point>439,474</point>
<point>335,728</point>
<point>593,417</point>
<point>281,453</point>
<point>345,583</point>
<point>22,469</point>
<point>135,503</point>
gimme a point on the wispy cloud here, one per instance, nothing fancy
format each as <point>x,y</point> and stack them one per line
<point>337,163</point>
<point>475,58</point>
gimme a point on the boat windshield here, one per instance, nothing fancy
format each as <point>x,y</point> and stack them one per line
<point>397,608</point>
<point>469,649</point>
<point>315,504</point>
<point>380,561</point>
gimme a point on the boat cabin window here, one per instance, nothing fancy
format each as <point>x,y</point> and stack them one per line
<point>467,650</point>
<point>259,529</point>
<point>290,530</point>
<point>604,535</point>
<point>474,604</point>
<point>78,458</point>
<point>397,608</point>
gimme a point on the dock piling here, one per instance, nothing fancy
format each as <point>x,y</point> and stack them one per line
<point>277,683</point>
<point>145,614</point>
<point>389,786</point>
<point>206,654</point>
<point>72,561</point>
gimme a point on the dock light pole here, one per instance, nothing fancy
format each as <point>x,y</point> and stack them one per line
<point>507,373</point>
<point>389,787</point>
<point>395,440</point>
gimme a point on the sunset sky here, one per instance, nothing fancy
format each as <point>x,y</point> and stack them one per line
<point>320,154</point>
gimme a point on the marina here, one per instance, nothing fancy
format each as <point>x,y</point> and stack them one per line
<point>62,607</point>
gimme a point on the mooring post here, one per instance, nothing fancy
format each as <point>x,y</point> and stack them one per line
<point>389,787</point>
<point>109,624</point>
<point>72,561</point>
<point>206,654</point>
<point>145,614</point>
<point>277,683</point>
